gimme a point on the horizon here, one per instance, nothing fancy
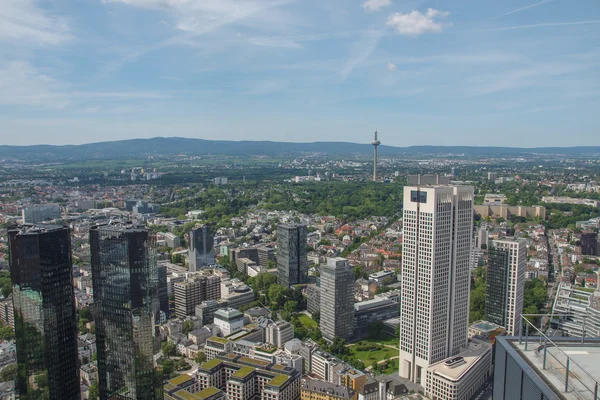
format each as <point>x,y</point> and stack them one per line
<point>518,72</point>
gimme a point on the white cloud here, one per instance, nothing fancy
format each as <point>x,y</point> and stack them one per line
<point>376,5</point>
<point>416,23</point>
<point>392,67</point>
<point>22,21</point>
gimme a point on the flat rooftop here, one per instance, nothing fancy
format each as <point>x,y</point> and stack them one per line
<point>583,368</point>
<point>475,351</point>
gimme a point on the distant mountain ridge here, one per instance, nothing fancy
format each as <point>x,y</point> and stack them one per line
<point>133,148</point>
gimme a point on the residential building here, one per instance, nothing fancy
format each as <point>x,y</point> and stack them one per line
<point>589,244</point>
<point>125,279</point>
<point>292,261</point>
<point>438,224</point>
<point>460,377</point>
<point>505,290</point>
<point>505,211</point>
<point>369,311</point>
<point>35,214</point>
<point>220,180</point>
<point>229,321</point>
<point>337,299</point>
<point>197,288</point>
<point>201,248</point>
<point>243,378</point>
<point>559,368</point>
<point>44,312</point>
<point>278,333</point>
<point>319,390</point>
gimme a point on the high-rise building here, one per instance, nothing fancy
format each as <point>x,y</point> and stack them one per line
<point>125,281</point>
<point>44,312</point>
<point>163,291</point>
<point>192,292</point>
<point>505,289</point>
<point>35,214</point>
<point>337,299</point>
<point>201,248</point>
<point>589,244</point>
<point>292,261</point>
<point>434,307</point>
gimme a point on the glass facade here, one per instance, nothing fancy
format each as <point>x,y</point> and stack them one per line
<point>201,248</point>
<point>496,286</point>
<point>292,261</point>
<point>126,304</point>
<point>44,312</point>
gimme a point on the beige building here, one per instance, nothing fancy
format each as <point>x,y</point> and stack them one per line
<point>505,211</point>
<point>193,291</point>
<point>319,390</point>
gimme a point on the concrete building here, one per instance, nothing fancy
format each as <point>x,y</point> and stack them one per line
<point>505,211</point>
<point>35,214</point>
<point>193,291</point>
<point>250,253</point>
<point>220,180</point>
<point>236,292</point>
<point>319,390</point>
<point>382,277</point>
<point>337,299</point>
<point>229,321</point>
<point>428,180</point>
<point>278,333</point>
<point>205,311</point>
<point>7,312</point>
<point>172,240</point>
<point>313,298</point>
<point>483,238</point>
<point>367,312</point>
<point>243,378</point>
<point>507,261</point>
<point>577,311</point>
<point>243,263</point>
<point>589,244</point>
<point>216,345</point>
<point>570,200</point>
<point>438,223</point>
<point>494,198</point>
<point>201,248</point>
<point>560,369</point>
<point>265,254</point>
<point>292,261</point>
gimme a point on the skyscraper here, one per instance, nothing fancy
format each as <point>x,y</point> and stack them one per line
<point>126,304</point>
<point>44,312</point>
<point>292,262</point>
<point>505,289</point>
<point>589,244</point>
<point>438,225</point>
<point>337,299</point>
<point>201,248</point>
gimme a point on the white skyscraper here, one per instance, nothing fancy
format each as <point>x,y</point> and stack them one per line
<point>438,232</point>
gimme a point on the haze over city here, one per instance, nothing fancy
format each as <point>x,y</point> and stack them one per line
<point>521,73</point>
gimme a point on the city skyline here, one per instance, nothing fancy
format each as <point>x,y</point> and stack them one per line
<point>424,73</point>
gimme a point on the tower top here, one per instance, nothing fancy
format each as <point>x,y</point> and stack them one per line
<point>375,142</point>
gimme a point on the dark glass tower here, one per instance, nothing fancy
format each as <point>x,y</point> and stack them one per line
<point>292,262</point>
<point>163,294</point>
<point>496,285</point>
<point>201,248</point>
<point>45,320</point>
<point>125,281</point>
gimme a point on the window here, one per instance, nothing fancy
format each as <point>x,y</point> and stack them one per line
<point>417,196</point>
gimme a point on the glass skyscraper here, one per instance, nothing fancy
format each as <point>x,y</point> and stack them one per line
<point>201,248</point>
<point>292,261</point>
<point>44,307</point>
<point>126,304</point>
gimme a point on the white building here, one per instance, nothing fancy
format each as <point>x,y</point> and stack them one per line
<point>459,377</point>
<point>438,224</point>
<point>229,321</point>
<point>278,333</point>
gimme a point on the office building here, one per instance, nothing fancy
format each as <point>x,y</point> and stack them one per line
<point>292,261</point>
<point>172,240</point>
<point>35,214</point>
<point>125,280</point>
<point>205,311</point>
<point>229,321</point>
<point>434,307</point>
<point>236,293</point>
<point>558,369</point>
<point>460,377</point>
<point>7,312</point>
<point>44,312</point>
<point>483,238</point>
<point>265,254</point>
<point>193,291</point>
<point>319,390</point>
<point>313,297</point>
<point>369,311</point>
<point>163,292</point>
<point>337,299</point>
<point>201,248</point>
<point>577,311</point>
<point>589,244</point>
<point>507,261</point>
<point>279,333</point>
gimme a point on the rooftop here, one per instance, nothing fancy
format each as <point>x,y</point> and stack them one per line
<point>243,372</point>
<point>181,379</point>
<point>455,367</point>
<point>328,388</point>
<point>211,364</point>
<point>278,380</point>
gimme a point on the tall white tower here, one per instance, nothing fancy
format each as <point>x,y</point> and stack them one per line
<point>438,224</point>
<point>375,143</point>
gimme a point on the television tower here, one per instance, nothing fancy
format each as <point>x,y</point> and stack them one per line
<point>375,143</point>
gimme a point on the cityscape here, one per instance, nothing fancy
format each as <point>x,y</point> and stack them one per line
<point>299,200</point>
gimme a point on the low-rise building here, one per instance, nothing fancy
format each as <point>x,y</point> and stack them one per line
<point>320,390</point>
<point>229,321</point>
<point>216,345</point>
<point>278,333</point>
<point>367,312</point>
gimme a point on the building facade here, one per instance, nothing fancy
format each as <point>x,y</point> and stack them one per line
<point>229,321</point>
<point>125,279</point>
<point>507,261</point>
<point>44,312</point>
<point>589,244</point>
<point>319,390</point>
<point>337,299</point>
<point>278,333</point>
<point>193,291</point>
<point>292,261</point>
<point>201,248</point>
<point>434,307</point>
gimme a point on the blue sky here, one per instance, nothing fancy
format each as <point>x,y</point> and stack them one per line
<point>460,72</point>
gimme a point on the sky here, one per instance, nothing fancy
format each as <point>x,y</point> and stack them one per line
<point>519,73</point>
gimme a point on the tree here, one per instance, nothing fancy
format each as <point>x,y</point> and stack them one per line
<point>94,392</point>
<point>177,258</point>
<point>8,373</point>
<point>168,349</point>
<point>6,332</point>
<point>276,296</point>
<point>338,346</point>
<point>188,326</point>
<point>290,306</point>
<point>200,357</point>
<point>375,366</point>
<point>168,366</point>
<point>316,316</point>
